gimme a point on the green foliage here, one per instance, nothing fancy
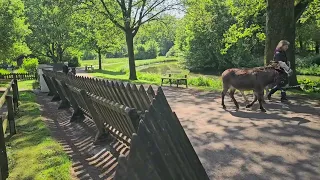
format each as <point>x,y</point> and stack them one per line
<point>73,61</point>
<point>30,65</point>
<point>13,30</point>
<point>311,70</point>
<point>4,71</point>
<point>21,70</point>
<point>149,50</point>
<point>52,27</point>
<point>309,85</point>
<point>316,60</point>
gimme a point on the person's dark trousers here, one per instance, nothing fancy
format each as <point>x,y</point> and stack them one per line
<point>275,89</point>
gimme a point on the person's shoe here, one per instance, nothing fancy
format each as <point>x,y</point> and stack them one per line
<point>283,97</point>
<point>269,97</point>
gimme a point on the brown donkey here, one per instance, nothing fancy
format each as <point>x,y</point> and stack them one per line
<point>255,79</point>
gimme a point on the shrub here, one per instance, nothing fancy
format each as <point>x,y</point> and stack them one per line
<point>73,61</point>
<point>21,70</point>
<point>30,65</point>
<point>309,85</point>
<point>316,60</point>
<point>4,71</point>
<point>311,70</point>
<point>147,51</point>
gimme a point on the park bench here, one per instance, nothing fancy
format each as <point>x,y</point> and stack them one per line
<point>177,76</point>
<point>141,122</point>
<point>89,68</point>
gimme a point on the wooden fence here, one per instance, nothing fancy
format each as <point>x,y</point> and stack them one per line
<point>5,120</point>
<point>140,119</point>
<point>19,76</point>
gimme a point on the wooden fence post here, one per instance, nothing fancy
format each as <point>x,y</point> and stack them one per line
<point>15,96</point>
<point>12,125</point>
<point>77,115</point>
<point>102,134</point>
<point>17,88</point>
<point>65,104</point>
<point>3,155</point>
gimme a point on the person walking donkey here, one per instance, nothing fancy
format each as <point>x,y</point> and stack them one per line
<point>280,57</point>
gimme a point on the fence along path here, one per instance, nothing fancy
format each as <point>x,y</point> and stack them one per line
<point>7,120</point>
<point>157,146</point>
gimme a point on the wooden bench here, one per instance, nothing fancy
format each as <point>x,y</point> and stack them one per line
<point>89,68</point>
<point>178,76</point>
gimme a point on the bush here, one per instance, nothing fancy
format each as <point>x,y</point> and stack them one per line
<point>30,65</point>
<point>311,70</point>
<point>21,70</point>
<point>174,52</point>
<point>147,51</point>
<point>309,85</point>
<point>73,61</point>
<point>316,60</point>
<point>4,71</point>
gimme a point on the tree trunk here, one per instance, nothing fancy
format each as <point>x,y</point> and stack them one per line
<point>100,60</point>
<point>280,25</point>
<point>317,47</point>
<point>132,65</point>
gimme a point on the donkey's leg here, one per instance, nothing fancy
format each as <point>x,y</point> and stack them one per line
<point>244,96</point>
<point>260,99</point>
<point>223,94</point>
<point>232,91</point>
<point>254,100</point>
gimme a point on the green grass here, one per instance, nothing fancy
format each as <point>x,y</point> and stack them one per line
<point>32,152</point>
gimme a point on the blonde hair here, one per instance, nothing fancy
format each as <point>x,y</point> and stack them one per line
<point>282,43</point>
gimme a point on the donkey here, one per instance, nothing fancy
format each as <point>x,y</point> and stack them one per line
<point>255,79</point>
<point>269,86</point>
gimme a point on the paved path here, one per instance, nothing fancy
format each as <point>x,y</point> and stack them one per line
<point>283,143</point>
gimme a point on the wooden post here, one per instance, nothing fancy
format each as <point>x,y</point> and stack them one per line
<point>12,125</point>
<point>3,155</point>
<point>64,102</point>
<point>101,135</point>
<point>17,88</point>
<point>15,97</point>
<point>77,115</point>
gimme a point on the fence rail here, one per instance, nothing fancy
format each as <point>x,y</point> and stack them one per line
<point>19,76</point>
<point>140,119</point>
<point>7,119</point>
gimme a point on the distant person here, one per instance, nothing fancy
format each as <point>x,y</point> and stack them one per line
<point>280,57</point>
<point>65,68</point>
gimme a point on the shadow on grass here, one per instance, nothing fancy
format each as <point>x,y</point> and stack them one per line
<point>32,152</point>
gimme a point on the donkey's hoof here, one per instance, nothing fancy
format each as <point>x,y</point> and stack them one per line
<point>224,107</point>
<point>263,110</point>
<point>248,106</point>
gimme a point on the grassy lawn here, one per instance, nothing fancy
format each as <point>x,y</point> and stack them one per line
<point>32,152</point>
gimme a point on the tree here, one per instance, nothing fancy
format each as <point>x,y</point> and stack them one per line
<point>129,16</point>
<point>95,33</point>
<point>13,30</point>
<point>51,25</point>
<point>281,24</point>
